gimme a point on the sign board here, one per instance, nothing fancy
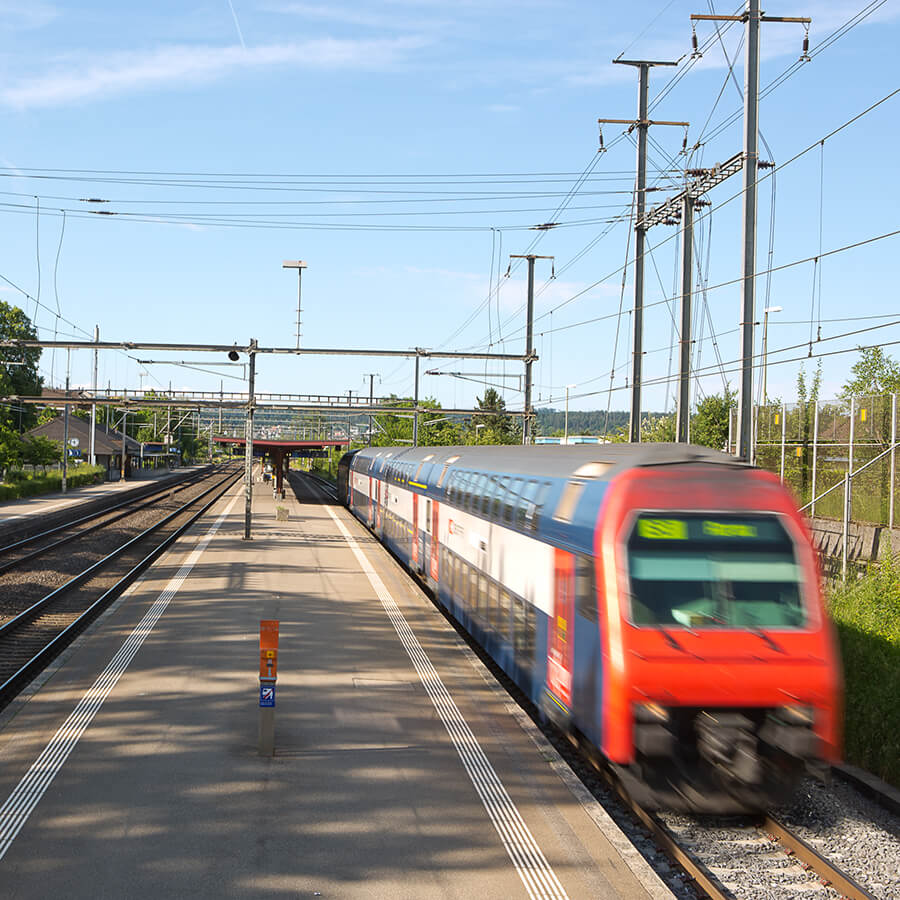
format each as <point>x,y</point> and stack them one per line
<point>267,695</point>
<point>268,648</point>
<point>74,442</point>
<point>310,453</point>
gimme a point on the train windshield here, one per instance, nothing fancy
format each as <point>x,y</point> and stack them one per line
<point>713,571</point>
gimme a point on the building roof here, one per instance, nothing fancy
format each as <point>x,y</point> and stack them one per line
<point>107,442</point>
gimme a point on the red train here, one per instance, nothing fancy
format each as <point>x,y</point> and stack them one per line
<point>660,602</point>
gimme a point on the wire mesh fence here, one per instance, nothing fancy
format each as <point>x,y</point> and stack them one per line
<point>813,445</point>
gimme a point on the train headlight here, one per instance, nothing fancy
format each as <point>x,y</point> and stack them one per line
<point>650,712</point>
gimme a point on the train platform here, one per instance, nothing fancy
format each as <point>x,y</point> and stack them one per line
<point>401,769</point>
<point>13,511</point>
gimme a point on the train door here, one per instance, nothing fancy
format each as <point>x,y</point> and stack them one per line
<point>378,504</point>
<point>561,633</point>
<point>371,509</point>
<point>415,531</point>
<point>435,540</point>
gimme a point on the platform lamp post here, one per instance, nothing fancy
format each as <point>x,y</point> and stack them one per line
<point>765,346</point>
<point>765,356</point>
<point>299,265</point>
<point>568,387</point>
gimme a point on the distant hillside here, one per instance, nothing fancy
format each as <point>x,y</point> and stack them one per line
<point>594,421</point>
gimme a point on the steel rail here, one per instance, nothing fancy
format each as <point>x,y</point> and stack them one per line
<point>79,579</point>
<point>824,868</point>
<point>26,673</point>
<point>136,504</point>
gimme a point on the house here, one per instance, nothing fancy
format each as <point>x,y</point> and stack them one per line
<point>107,444</point>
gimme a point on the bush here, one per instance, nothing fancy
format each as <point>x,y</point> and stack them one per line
<point>867,615</point>
<point>34,485</point>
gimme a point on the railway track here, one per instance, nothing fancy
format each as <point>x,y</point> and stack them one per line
<point>33,546</point>
<point>50,597</point>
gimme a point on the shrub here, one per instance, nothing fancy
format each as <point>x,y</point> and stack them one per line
<point>32,486</point>
<point>867,615</point>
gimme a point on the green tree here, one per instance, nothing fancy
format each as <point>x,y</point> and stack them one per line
<point>873,373</point>
<point>709,425</point>
<point>41,451</point>
<point>11,449</point>
<point>498,427</point>
<point>807,397</point>
<point>658,428</point>
<point>19,369</point>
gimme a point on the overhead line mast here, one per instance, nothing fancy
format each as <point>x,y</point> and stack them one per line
<point>751,19</point>
<point>642,123</point>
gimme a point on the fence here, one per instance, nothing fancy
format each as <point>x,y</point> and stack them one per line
<point>813,446</point>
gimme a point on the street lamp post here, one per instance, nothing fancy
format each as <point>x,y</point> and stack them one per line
<point>299,265</point>
<point>568,387</point>
<point>765,346</point>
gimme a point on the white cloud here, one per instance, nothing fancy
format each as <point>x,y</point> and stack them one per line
<point>16,16</point>
<point>179,65</point>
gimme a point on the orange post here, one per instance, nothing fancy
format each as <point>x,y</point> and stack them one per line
<point>268,673</point>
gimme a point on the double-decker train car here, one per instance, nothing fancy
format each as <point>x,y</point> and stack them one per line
<point>660,602</point>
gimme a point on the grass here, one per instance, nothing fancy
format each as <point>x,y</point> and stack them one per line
<point>867,615</point>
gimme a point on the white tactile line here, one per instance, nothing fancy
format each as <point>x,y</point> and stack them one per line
<point>27,794</point>
<point>536,873</point>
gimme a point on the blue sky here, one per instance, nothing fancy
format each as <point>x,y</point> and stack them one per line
<point>404,149</point>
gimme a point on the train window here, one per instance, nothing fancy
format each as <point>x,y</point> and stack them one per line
<point>505,614</point>
<point>534,509</point>
<point>484,598</point>
<point>489,501</point>
<point>714,571</point>
<point>565,509</point>
<point>510,501</point>
<point>500,496</point>
<point>526,499</point>
<point>586,587</point>
<point>428,517</point>
<point>523,631</point>
<point>474,596</point>
<point>478,491</point>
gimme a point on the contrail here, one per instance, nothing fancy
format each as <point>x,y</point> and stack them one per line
<point>237,24</point>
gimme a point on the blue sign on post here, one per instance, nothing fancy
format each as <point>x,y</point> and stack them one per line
<point>267,695</point>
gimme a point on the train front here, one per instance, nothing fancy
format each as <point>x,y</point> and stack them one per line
<point>721,677</point>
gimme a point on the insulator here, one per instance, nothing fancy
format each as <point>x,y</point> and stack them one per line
<point>601,138</point>
<point>552,271</point>
<point>805,44</point>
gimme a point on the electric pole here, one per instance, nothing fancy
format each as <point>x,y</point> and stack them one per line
<point>751,19</point>
<point>248,442</point>
<point>528,412</point>
<point>640,229</point>
<point>299,265</point>
<point>94,394</point>
<point>65,459</point>
<point>682,431</point>
<point>416,412</point>
<point>372,376</point>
